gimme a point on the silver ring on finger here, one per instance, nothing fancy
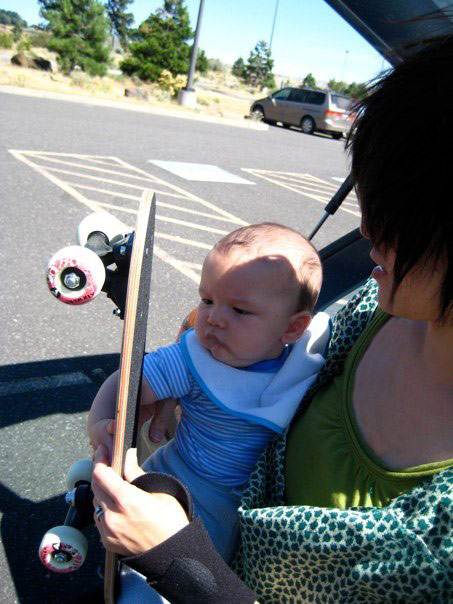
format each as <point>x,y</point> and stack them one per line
<point>99,512</point>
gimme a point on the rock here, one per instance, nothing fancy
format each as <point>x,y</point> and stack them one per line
<point>40,63</point>
<point>136,93</point>
<point>22,60</point>
<point>19,59</point>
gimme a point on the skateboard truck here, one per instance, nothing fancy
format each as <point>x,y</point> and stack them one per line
<point>63,549</point>
<point>77,274</point>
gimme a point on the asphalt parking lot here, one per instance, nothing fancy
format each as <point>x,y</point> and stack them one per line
<point>62,161</point>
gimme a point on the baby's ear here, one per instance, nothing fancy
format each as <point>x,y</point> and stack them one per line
<point>298,323</point>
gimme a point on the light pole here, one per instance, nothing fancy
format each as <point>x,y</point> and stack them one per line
<point>273,24</point>
<point>344,65</point>
<point>187,96</point>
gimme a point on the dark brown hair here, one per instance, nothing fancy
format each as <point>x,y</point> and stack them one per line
<point>402,164</point>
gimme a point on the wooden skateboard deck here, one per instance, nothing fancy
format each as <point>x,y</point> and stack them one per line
<point>132,351</point>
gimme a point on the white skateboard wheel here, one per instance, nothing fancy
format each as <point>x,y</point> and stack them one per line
<point>63,549</point>
<point>103,222</point>
<point>75,275</point>
<point>80,471</point>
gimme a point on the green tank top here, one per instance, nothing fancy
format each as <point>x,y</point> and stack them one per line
<point>328,463</point>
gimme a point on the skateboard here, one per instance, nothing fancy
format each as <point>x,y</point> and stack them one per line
<point>64,548</point>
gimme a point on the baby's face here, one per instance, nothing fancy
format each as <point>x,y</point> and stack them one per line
<point>243,313</point>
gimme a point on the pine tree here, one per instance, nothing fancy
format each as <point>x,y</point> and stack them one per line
<point>238,68</point>
<point>161,42</point>
<point>80,31</point>
<point>309,80</point>
<point>202,63</point>
<point>259,66</point>
<point>120,19</point>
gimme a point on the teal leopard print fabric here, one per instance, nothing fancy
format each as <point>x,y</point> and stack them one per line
<point>400,553</point>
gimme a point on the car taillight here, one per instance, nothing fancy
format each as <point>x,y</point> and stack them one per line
<point>333,114</point>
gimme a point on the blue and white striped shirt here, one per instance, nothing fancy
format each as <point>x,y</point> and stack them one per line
<point>216,444</point>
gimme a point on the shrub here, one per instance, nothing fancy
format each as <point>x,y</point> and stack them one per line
<point>170,83</point>
<point>6,40</point>
<point>80,79</point>
<point>24,43</point>
<point>39,39</point>
<point>215,65</point>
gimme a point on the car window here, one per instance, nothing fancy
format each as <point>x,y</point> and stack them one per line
<point>315,98</point>
<point>282,95</point>
<point>341,102</point>
<point>298,95</point>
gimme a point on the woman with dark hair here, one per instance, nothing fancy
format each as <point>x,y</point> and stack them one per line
<point>354,503</point>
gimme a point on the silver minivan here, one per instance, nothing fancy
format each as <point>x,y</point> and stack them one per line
<point>307,108</point>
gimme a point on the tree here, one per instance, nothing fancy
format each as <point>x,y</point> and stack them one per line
<point>357,91</point>
<point>160,42</point>
<point>202,64</point>
<point>258,70</point>
<point>337,86</point>
<point>80,32</point>
<point>120,20</point>
<point>309,80</point>
<point>9,17</point>
<point>238,68</point>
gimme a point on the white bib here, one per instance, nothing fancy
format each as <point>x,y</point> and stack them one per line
<point>269,399</point>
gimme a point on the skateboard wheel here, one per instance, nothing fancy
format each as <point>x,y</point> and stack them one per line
<point>63,549</point>
<point>75,275</point>
<point>103,222</point>
<point>80,471</point>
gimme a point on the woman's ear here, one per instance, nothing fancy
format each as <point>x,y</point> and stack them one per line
<point>298,323</point>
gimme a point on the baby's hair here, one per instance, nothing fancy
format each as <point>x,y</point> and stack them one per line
<point>308,265</point>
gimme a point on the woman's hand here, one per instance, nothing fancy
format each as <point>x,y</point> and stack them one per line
<point>133,521</point>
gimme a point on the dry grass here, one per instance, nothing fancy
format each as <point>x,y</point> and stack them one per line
<point>218,94</point>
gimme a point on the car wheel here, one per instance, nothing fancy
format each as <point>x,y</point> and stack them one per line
<point>307,125</point>
<point>257,114</point>
<point>336,135</point>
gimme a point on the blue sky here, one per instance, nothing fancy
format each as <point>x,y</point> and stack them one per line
<point>308,36</point>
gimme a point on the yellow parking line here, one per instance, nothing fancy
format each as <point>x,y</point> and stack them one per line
<point>110,181</point>
<point>299,189</point>
<point>179,265</point>
<point>182,240</point>
<point>160,204</point>
<point>148,178</point>
<point>305,187</point>
<point>77,155</point>
<point>39,162</point>
<point>191,196</point>
<point>304,181</point>
<point>191,225</point>
<point>93,206</point>
<point>194,265</point>
<point>293,188</point>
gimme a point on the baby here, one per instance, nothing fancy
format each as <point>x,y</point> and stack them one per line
<point>239,375</point>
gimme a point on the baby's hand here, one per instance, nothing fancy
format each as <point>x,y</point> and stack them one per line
<point>101,433</point>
